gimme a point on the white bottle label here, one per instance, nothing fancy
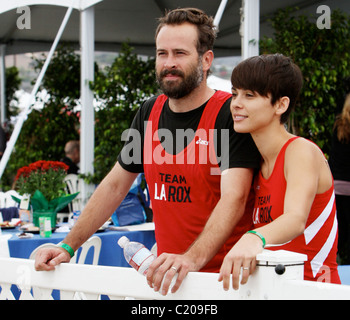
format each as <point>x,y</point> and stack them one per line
<point>139,259</point>
<point>140,256</point>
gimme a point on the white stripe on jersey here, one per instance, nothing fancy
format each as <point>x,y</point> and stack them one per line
<point>311,231</point>
<point>318,260</point>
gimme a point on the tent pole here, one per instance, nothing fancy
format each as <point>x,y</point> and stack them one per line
<point>250,28</point>
<point>23,115</point>
<point>87,132</point>
<point>220,12</point>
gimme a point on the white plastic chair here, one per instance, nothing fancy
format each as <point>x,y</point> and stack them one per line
<point>6,200</point>
<point>73,185</point>
<point>94,242</point>
<point>63,216</point>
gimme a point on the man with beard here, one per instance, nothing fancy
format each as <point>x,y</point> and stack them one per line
<point>198,185</point>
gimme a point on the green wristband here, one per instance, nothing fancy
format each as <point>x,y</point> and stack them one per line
<point>67,248</point>
<point>259,235</point>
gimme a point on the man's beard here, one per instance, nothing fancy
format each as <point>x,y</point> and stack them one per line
<point>175,90</point>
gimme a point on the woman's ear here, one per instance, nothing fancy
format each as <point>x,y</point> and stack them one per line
<point>282,105</point>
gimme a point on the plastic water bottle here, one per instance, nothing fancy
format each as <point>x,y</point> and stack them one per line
<point>136,254</point>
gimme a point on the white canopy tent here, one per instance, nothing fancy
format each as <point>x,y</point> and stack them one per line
<point>87,74</point>
<point>106,24</point>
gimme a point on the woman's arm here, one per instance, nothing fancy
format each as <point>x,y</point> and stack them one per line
<point>304,166</point>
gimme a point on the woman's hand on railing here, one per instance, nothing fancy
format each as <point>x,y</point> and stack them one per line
<point>240,259</point>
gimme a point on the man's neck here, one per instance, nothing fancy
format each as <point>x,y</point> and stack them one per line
<point>192,101</point>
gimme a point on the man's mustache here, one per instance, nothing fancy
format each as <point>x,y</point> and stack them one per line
<point>179,73</point>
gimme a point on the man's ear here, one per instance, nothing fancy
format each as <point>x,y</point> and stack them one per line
<point>207,60</point>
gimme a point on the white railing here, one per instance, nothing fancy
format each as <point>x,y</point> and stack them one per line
<point>89,282</point>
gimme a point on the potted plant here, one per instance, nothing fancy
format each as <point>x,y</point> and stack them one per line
<point>44,182</point>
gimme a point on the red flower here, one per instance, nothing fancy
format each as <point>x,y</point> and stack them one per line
<point>24,171</point>
<point>42,166</point>
<point>45,176</point>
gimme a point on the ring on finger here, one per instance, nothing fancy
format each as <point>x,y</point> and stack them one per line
<point>245,268</point>
<point>174,268</point>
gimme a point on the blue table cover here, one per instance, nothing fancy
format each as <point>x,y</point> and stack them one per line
<point>111,254</point>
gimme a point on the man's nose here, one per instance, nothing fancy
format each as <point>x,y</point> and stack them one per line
<point>170,62</point>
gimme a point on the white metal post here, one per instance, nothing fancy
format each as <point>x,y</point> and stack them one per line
<point>87,133</point>
<point>2,84</point>
<point>250,28</point>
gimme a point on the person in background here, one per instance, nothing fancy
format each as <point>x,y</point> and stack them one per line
<point>198,193</point>
<point>294,191</point>
<point>339,162</point>
<point>72,156</point>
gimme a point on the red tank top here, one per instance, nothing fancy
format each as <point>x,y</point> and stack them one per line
<point>185,188</point>
<point>319,240</point>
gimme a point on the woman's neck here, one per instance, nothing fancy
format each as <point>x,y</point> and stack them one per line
<point>269,143</point>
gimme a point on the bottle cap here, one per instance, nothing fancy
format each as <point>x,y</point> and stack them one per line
<point>123,241</point>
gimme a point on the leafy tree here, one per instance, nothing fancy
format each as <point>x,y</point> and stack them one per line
<point>62,77</point>
<point>121,87</point>
<point>120,90</point>
<point>324,58</point>
<point>13,83</point>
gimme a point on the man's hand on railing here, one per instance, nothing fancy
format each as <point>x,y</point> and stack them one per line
<point>165,268</point>
<point>241,258</point>
<point>47,259</point>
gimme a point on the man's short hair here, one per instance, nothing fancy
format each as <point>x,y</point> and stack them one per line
<point>204,23</point>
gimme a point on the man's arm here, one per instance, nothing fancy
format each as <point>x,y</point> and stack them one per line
<point>100,207</point>
<point>235,188</point>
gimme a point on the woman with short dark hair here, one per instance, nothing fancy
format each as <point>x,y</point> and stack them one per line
<point>294,190</point>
